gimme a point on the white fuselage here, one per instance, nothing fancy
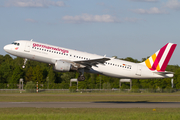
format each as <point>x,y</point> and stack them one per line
<point>50,54</point>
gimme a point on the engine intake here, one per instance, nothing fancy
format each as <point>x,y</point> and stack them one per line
<point>62,66</point>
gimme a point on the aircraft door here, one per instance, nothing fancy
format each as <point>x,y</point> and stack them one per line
<point>27,47</point>
<point>139,70</point>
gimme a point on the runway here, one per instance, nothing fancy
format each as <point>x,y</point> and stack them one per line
<point>91,104</point>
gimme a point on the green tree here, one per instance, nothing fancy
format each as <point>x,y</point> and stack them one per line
<point>17,74</point>
<point>29,75</point>
<point>66,76</point>
<point>131,60</point>
<point>51,76</point>
<point>177,79</point>
<point>106,85</point>
<point>30,87</point>
<point>37,75</point>
<point>5,72</point>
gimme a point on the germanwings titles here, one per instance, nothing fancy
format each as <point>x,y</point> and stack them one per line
<point>65,60</point>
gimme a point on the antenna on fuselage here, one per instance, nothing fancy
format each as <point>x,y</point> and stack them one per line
<point>31,39</point>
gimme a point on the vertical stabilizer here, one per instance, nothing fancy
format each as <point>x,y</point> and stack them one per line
<point>159,60</point>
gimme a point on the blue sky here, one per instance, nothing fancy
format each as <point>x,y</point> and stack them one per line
<point>123,28</point>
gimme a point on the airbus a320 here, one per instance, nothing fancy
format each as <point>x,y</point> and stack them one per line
<point>65,60</point>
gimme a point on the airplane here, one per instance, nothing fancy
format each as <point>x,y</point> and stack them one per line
<point>65,60</point>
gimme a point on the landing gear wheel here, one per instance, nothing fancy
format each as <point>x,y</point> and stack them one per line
<point>81,78</point>
<point>81,75</point>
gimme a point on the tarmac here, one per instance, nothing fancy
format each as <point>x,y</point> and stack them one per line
<point>91,104</point>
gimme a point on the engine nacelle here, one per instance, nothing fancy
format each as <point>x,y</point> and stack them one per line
<point>62,66</point>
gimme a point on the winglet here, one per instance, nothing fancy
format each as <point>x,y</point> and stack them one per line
<point>159,60</point>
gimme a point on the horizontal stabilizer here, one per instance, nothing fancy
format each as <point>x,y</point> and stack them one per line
<point>163,73</point>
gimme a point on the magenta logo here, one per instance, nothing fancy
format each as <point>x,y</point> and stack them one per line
<point>51,48</point>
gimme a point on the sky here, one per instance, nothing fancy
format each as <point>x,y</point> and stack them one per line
<point>122,28</point>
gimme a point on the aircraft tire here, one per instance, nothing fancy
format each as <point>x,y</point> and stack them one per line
<point>81,78</point>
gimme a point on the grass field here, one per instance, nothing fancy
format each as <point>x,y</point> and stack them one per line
<point>89,113</point>
<point>90,97</point>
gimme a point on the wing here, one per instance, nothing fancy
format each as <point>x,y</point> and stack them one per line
<point>84,63</point>
<point>93,62</point>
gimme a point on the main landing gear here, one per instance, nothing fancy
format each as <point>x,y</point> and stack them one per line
<point>81,78</point>
<point>81,75</point>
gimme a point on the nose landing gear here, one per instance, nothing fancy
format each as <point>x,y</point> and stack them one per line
<point>25,60</point>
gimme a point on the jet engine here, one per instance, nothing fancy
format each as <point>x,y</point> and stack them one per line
<point>62,66</point>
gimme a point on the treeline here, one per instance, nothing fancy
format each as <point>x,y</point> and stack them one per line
<point>11,71</point>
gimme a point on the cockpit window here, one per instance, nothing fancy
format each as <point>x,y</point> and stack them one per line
<point>15,43</point>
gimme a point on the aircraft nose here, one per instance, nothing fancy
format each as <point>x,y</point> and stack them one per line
<point>6,48</point>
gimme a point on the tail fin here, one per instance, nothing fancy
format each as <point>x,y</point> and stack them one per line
<point>159,60</point>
